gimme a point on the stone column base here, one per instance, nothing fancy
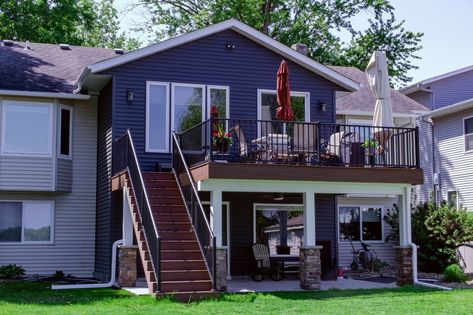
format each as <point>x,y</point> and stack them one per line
<point>127,272</point>
<point>309,267</point>
<point>222,271</point>
<point>404,265</point>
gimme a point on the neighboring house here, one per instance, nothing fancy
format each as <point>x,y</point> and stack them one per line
<point>445,136</point>
<point>358,108</point>
<point>173,86</point>
<point>47,159</point>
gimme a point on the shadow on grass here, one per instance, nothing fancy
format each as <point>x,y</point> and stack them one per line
<point>41,294</point>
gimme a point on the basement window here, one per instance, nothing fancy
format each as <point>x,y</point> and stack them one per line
<point>468,132</point>
<point>360,223</point>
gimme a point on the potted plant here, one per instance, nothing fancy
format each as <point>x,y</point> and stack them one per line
<point>221,139</point>
<point>370,150</point>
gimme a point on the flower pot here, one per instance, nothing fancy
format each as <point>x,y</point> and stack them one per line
<point>220,147</point>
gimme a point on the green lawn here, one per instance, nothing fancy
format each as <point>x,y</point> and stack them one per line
<point>21,298</point>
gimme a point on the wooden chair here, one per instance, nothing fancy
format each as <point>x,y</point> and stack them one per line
<point>264,266</point>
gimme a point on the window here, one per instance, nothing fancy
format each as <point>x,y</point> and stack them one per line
<point>219,97</point>
<point>281,227</point>
<point>468,131</point>
<point>452,198</point>
<point>360,223</point>
<point>26,222</point>
<point>27,128</point>
<point>157,117</point>
<point>267,105</point>
<point>188,106</point>
<point>65,135</point>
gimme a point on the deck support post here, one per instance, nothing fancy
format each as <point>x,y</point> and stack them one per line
<point>404,259</point>
<point>216,215</point>
<point>309,219</point>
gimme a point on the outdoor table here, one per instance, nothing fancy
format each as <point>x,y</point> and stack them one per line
<point>273,146</point>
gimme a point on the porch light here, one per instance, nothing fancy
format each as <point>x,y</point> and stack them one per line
<point>278,197</point>
<point>130,96</point>
<point>322,106</point>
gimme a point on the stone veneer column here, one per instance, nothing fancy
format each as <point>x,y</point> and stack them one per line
<point>221,269</point>
<point>309,267</point>
<point>404,265</point>
<point>127,272</point>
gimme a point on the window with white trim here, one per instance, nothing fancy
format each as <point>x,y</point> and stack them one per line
<point>187,105</point>
<point>26,222</point>
<point>65,132</point>
<point>157,117</point>
<point>452,198</point>
<point>360,223</point>
<point>468,131</point>
<point>27,128</point>
<point>218,97</point>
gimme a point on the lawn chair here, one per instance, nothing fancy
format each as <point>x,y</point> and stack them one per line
<point>264,266</point>
<point>304,142</point>
<point>247,150</point>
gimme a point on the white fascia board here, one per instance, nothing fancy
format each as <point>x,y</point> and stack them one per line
<point>451,109</point>
<point>370,114</point>
<point>45,94</point>
<point>242,29</point>
<point>285,186</point>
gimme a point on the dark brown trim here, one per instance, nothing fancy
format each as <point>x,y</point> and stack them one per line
<point>213,170</point>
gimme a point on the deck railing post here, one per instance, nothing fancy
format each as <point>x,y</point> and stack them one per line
<point>417,146</point>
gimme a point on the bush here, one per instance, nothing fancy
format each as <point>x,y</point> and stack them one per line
<point>454,273</point>
<point>11,271</point>
<point>437,230</point>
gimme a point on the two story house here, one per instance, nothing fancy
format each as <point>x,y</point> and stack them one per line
<point>190,167</point>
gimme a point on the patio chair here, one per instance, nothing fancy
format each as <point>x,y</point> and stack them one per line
<point>265,266</point>
<point>304,142</point>
<point>340,145</point>
<point>247,150</point>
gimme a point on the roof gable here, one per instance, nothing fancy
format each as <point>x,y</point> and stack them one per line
<point>238,27</point>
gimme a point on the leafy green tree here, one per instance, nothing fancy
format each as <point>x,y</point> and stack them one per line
<point>75,22</point>
<point>316,24</point>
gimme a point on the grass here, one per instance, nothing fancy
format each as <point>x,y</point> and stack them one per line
<point>37,298</point>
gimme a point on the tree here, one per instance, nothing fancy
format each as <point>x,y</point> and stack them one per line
<point>75,22</point>
<point>316,24</point>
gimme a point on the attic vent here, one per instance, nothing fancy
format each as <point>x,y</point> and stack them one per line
<point>119,51</point>
<point>64,46</point>
<point>7,42</point>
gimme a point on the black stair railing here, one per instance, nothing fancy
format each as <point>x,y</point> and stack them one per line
<point>200,223</point>
<point>125,160</point>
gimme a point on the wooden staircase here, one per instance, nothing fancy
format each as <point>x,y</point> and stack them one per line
<point>184,274</point>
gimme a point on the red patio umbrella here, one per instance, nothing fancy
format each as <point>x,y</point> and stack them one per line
<point>284,111</point>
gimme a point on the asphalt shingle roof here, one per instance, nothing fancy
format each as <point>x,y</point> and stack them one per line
<point>364,100</point>
<point>46,67</point>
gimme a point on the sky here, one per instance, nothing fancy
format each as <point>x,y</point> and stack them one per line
<point>447,26</point>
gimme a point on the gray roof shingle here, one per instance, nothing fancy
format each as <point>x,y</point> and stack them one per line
<point>364,100</point>
<point>46,67</point>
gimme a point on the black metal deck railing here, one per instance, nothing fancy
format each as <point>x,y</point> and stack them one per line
<point>125,159</point>
<point>300,143</point>
<point>200,223</point>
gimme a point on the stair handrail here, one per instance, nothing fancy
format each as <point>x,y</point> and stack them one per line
<point>155,264</point>
<point>199,203</point>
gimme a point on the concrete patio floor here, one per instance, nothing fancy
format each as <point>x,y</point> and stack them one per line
<point>248,285</point>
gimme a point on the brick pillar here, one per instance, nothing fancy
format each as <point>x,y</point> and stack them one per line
<point>404,265</point>
<point>221,269</point>
<point>127,272</point>
<point>309,267</point>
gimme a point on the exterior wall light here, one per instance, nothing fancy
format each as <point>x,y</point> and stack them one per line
<point>230,45</point>
<point>323,107</point>
<point>130,96</point>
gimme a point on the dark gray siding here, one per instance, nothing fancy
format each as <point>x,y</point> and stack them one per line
<point>104,173</point>
<point>244,69</point>
<point>325,221</point>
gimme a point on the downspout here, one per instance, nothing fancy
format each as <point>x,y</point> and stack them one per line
<point>109,284</point>
<point>414,271</point>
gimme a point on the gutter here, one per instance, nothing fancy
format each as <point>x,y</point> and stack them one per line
<point>80,80</point>
<point>109,284</point>
<point>414,272</point>
<point>72,96</point>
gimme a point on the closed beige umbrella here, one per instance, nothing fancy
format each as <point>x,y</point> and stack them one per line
<point>378,78</point>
